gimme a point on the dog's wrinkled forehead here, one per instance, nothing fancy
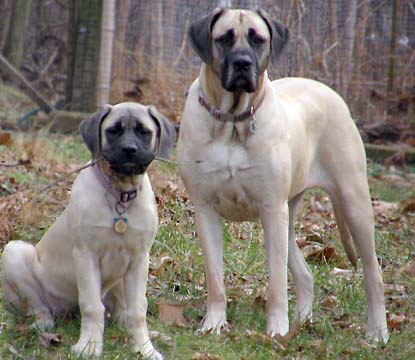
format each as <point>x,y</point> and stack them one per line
<point>127,114</point>
<point>240,22</point>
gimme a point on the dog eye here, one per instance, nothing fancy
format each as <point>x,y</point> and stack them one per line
<point>115,130</point>
<point>142,131</point>
<point>257,40</point>
<point>225,39</point>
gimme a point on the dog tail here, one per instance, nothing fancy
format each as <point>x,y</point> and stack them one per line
<point>345,236</point>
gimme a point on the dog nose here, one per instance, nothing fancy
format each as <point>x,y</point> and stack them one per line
<point>130,149</point>
<point>242,62</point>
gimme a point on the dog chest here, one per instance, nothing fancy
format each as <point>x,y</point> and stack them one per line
<point>226,174</point>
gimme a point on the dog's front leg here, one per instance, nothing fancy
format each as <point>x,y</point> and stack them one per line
<point>275,224</point>
<point>209,229</point>
<point>135,284</point>
<point>88,279</point>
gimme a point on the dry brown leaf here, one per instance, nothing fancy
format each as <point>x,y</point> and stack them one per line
<point>172,314</point>
<point>284,340</point>
<point>396,321</point>
<point>330,302</point>
<point>5,139</point>
<point>49,339</point>
<point>204,356</point>
<point>384,208</point>
<point>409,268</point>
<point>394,292</point>
<point>263,339</point>
<point>408,206</point>
<point>342,273</point>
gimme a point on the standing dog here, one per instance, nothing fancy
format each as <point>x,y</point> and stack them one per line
<point>248,149</point>
<point>96,255</point>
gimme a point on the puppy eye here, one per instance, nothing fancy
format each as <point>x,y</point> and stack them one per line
<point>115,130</point>
<point>142,131</point>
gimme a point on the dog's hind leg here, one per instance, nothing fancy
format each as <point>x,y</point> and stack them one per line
<point>354,211</point>
<point>21,289</point>
<point>299,269</point>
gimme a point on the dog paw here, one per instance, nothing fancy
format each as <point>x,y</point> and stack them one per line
<point>215,323</point>
<point>87,349</point>
<point>277,327</point>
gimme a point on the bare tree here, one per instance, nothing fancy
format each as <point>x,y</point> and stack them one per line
<point>348,44</point>
<point>15,40</point>
<point>105,56</point>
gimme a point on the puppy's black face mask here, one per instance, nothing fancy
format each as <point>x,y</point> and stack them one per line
<point>128,148</point>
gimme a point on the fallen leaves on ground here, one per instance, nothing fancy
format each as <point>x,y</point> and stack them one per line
<point>396,321</point>
<point>48,340</point>
<point>172,314</point>
<point>204,356</point>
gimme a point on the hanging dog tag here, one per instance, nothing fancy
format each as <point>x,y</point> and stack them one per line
<point>120,225</point>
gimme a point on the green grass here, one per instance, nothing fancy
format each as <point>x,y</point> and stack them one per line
<point>337,331</point>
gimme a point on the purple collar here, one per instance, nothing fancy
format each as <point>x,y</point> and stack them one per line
<point>219,115</point>
<point>123,197</point>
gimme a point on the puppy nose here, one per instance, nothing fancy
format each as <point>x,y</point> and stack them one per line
<point>130,149</point>
<point>242,61</point>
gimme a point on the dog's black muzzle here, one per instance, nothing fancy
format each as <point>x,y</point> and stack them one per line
<point>129,160</point>
<point>240,72</point>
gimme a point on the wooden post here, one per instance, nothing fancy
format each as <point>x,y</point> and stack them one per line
<point>105,57</point>
<point>83,59</point>
<point>14,48</point>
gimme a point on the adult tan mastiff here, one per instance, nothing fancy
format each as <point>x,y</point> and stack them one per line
<point>248,149</point>
<point>96,255</point>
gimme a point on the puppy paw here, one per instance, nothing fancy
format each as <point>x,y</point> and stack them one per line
<point>214,323</point>
<point>155,355</point>
<point>43,322</point>
<point>148,352</point>
<point>87,348</point>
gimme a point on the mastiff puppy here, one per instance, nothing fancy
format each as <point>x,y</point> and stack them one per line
<point>248,149</point>
<point>96,255</point>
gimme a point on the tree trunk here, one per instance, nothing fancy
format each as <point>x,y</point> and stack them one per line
<point>349,36</point>
<point>84,46</point>
<point>391,67</point>
<point>14,48</point>
<point>105,57</point>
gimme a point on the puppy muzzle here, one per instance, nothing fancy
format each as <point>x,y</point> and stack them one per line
<point>129,164</point>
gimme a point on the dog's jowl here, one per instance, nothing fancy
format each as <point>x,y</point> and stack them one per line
<point>96,254</point>
<point>255,146</point>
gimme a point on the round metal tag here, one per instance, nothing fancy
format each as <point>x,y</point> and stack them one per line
<point>120,226</point>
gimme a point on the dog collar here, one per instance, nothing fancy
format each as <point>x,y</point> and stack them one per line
<point>219,115</point>
<point>123,197</point>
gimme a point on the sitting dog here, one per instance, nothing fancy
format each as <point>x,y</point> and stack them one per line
<point>254,147</point>
<point>96,255</point>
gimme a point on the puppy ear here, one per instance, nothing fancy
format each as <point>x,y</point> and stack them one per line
<point>90,130</point>
<point>200,35</point>
<point>167,133</point>
<point>279,34</point>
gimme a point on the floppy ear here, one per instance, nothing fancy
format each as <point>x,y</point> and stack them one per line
<point>90,130</point>
<point>200,35</point>
<point>167,133</point>
<point>279,34</point>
